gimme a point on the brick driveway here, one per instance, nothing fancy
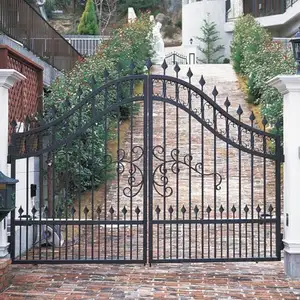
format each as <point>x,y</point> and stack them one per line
<point>174,281</point>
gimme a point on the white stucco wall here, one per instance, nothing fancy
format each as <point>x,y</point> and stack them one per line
<point>22,190</point>
<point>193,15</point>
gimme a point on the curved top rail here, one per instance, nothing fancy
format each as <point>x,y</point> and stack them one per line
<point>86,100</point>
<point>176,53</point>
<point>211,102</point>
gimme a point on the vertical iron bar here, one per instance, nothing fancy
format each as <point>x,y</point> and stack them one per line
<point>105,169</point>
<point>265,194</point>
<point>99,235</point>
<point>190,169</point>
<point>252,193</point>
<point>233,236</point>
<point>131,158</point>
<point>27,204</point>
<point>119,101</point>
<point>258,235</point>
<point>171,236</point>
<point>227,181</point>
<point>41,182</point>
<point>79,186</point>
<point>93,185</point>
<point>165,166</point>
<point>183,237</point>
<point>208,235</point>
<point>149,110</point>
<point>240,189</point>
<point>66,201</point>
<point>202,176</point>
<point>177,163</point>
<point>215,182</point>
<point>196,236</point>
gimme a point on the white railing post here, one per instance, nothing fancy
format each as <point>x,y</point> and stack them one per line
<point>289,86</point>
<point>8,78</point>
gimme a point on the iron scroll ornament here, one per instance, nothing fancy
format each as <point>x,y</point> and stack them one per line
<point>135,179</point>
<point>175,161</point>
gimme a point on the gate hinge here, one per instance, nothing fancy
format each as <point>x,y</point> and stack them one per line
<point>9,158</point>
<point>282,158</point>
<point>281,241</point>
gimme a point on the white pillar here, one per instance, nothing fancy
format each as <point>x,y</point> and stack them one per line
<point>289,86</point>
<point>7,79</point>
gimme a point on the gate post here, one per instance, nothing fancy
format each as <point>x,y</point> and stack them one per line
<point>289,87</point>
<point>8,78</point>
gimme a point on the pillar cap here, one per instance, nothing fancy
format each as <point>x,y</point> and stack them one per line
<point>8,77</point>
<point>285,83</point>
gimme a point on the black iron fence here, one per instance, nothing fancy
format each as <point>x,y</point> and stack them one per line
<point>22,23</point>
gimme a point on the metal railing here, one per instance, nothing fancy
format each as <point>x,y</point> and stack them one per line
<point>290,3</point>
<point>262,8</point>
<point>86,45</point>
<point>20,21</point>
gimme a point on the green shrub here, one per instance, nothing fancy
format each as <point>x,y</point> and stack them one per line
<point>88,21</point>
<point>259,59</point>
<point>248,38</point>
<point>132,41</point>
<point>226,60</point>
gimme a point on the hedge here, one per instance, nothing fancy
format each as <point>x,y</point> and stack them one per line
<point>258,58</point>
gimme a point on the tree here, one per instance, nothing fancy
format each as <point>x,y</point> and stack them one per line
<point>209,38</point>
<point>88,21</point>
<point>105,10</point>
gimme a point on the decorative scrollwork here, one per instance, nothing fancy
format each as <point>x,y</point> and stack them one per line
<point>135,179</point>
<point>160,179</point>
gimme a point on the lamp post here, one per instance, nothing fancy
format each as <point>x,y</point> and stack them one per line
<point>296,49</point>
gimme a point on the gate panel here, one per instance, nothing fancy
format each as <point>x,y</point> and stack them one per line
<point>215,184</point>
<point>91,202</point>
<point>167,175</point>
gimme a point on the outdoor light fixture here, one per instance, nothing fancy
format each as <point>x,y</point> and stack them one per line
<point>7,195</point>
<point>191,41</point>
<point>296,49</point>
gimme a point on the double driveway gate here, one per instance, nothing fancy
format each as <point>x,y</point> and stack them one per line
<point>145,169</point>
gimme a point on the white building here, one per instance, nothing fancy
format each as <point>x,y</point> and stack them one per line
<point>281,17</point>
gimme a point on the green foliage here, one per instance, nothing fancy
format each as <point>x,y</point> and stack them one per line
<point>86,154</point>
<point>248,38</point>
<point>88,21</point>
<point>226,60</point>
<point>259,59</point>
<point>209,38</point>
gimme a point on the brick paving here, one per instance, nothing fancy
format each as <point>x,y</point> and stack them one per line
<point>161,281</point>
<point>179,281</point>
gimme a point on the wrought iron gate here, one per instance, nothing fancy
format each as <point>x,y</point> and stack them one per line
<point>161,175</point>
<point>174,58</point>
